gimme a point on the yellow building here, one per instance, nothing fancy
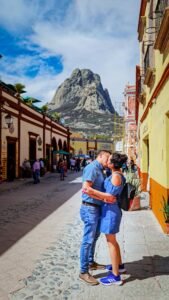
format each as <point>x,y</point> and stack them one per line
<point>153,35</point>
<point>81,145</point>
<point>26,133</point>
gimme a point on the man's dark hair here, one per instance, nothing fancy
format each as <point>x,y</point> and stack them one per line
<point>103,151</point>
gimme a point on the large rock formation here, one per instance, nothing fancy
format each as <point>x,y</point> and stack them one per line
<point>84,104</point>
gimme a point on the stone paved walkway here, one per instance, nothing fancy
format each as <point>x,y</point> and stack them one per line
<point>145,251</point>
<point>44,263</point>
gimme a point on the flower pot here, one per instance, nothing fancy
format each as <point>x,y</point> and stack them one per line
<point>135,204</point>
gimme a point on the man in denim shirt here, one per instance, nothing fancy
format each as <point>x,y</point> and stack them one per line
<point>90,214</point>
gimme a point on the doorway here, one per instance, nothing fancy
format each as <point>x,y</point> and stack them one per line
<point>11,160</point>
<point>32,150</point>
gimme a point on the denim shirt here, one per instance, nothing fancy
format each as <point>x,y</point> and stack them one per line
<point>94,173</point>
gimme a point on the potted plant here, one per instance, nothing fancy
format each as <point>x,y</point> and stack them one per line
<point>165,210</point>
<point>135,181</point>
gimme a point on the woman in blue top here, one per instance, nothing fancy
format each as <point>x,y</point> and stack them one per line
<point>111,216</point>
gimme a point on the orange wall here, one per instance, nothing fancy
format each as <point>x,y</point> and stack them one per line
<point>157,192</point>
<point>143,177</point>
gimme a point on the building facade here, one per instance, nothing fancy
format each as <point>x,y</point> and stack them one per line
<point>28,134</point>
<point>130,121</point>
<point>153,90</point>
<point>81,145</point>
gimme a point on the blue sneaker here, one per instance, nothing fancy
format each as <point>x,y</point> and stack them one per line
<point>111,279</point>
<point>121,268</point>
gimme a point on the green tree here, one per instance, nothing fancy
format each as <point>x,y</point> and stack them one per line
<point>44,109</point>
<point>56,116</point>
<point>31,101</point>
<point>19,88</point>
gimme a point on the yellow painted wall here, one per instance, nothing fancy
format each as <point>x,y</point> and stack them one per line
<point>104,145</point>
<point>91,144</point>
<point>155,129</point>
<point>77,145</point>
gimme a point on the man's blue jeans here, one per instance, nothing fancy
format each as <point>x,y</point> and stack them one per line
<point>90,215</point>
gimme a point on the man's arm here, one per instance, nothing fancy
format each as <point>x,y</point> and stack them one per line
<point>87,188</point>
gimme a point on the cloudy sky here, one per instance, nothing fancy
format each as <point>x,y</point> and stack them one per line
<point>43,41</point>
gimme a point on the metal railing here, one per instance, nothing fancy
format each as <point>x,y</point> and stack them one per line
<point>159,12</point>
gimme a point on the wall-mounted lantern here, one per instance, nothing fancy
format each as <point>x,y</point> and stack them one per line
<point>8,120</point>
<point>39,140</point>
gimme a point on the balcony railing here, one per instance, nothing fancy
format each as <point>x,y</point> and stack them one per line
<point>149,70</point>
<point>159,12</point>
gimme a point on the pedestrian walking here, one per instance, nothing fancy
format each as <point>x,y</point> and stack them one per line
<point>111,217</point>
<point>42,167</point>
<point>65,167</point>
<point>90,213</point>
<point>72,164</point>
<point>84,163</point>
<point>61,169</point>
<point>132,167</point>
<point>36,171</point>
<point>26,169</point>
<point>78,164</point>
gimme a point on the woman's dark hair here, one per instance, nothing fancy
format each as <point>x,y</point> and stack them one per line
<point>118,160</point>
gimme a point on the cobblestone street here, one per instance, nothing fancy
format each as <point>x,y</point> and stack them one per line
<point>40,239</point>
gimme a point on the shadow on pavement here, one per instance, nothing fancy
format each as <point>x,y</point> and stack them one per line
<point>148,267</point>
<point>25,208</point>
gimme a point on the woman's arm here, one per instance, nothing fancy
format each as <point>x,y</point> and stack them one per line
<point>106,197</point>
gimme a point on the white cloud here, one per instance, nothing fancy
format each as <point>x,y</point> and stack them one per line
<point>99,35</point>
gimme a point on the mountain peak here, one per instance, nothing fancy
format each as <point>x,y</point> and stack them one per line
<point>84,104</point>
<point>83,90</point>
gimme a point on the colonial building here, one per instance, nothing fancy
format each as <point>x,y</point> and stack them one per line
<point>130,121</point>
<point>26,133</point>
<point>81,145</point>
<point>153,90</point>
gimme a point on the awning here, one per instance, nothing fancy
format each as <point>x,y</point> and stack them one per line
<point>61,152</point>
<point>82,156</point>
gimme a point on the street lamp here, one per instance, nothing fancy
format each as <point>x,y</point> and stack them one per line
<point>8,120</point>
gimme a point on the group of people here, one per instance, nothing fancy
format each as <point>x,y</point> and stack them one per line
<point>129,167</point>
<point>75,164</point>
<point>36,170</point>
<point>101,213</point>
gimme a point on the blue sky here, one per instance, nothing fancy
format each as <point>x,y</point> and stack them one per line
<point>43,41</point>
